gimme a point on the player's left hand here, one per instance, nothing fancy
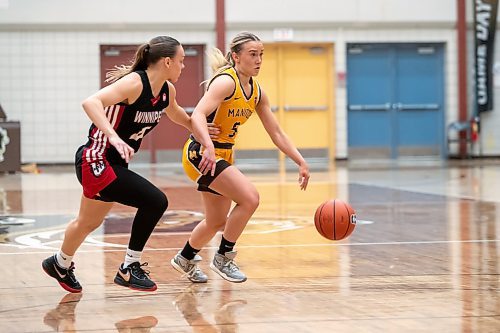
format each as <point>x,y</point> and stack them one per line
<point>303,176</point>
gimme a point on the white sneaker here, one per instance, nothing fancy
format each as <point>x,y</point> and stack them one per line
<point>189,268</point>
<point>225,266</point>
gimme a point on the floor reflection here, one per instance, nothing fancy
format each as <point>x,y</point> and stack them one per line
<point>188,303</point>
<point>137,325</point>
<point>62,317</point>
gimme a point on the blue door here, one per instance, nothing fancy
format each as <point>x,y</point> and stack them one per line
<point>395,100</point>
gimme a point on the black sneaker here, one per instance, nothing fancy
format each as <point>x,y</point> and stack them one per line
<point>134,277</point>
<point>65,277</point>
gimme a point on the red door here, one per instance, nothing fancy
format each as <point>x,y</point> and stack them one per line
<point>165,143</point>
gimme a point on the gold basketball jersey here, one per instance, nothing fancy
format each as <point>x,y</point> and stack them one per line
<point>235,109</point>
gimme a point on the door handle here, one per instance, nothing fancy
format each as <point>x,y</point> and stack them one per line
<point>370,107</point>
<point>429,106</point>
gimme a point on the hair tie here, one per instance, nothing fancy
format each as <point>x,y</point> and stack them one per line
<point>147,48</point>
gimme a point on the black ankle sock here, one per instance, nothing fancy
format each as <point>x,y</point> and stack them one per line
<point>225,246</point>
<point>188,251</point>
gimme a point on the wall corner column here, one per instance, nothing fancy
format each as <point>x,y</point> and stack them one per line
<point>220,25</point>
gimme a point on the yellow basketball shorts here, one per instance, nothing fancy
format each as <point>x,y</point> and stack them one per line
<point>191,158</point>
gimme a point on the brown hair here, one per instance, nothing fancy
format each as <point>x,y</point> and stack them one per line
<point>147,54</point>
<point>218,62</point>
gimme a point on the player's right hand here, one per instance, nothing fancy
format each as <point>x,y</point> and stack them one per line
<point>208,162</point>
<point>125,151</point>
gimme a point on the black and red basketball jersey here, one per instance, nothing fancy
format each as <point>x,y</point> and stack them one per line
<point>131,122</point>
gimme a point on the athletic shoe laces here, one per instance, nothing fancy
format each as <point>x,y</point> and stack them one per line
<point>138,272</point>
<point>193,269</point>
<point>70,272</point>
<point>231,265</point>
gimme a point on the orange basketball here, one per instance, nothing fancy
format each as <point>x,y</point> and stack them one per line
<point>335,219</point>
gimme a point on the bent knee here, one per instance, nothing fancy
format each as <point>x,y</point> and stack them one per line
<point>155,203</point>
<point>255,200</point>
<point>251,200</point>
<point>160,202</point>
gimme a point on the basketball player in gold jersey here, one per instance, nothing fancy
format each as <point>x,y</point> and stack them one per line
<point>235,95</point>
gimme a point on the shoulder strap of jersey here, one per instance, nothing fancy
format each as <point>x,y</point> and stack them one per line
<point>145,80</point>
<point>225,72</point>
<point>259,93</point>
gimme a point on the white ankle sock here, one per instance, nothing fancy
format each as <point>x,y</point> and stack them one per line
<point>132,256</point>
<point>63,259</point>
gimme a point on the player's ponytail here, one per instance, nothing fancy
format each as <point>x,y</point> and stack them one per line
<point>217,61</point>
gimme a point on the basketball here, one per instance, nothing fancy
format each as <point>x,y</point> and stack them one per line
<point>335,219</point>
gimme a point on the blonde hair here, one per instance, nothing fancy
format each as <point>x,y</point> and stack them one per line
<point>218,62</point>
<point>146,54</point>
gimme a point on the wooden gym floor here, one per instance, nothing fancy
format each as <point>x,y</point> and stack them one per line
<point>424,256</point>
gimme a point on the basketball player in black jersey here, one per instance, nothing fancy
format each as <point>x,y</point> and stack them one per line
<point>122,114</point>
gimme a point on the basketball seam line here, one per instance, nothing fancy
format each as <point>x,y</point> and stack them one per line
<point>348,220</point>
<point>334,220</point>
<point>321,224</point>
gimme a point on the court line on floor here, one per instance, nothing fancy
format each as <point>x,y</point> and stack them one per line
<point>276,246</point>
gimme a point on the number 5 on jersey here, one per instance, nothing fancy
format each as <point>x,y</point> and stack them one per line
<point>235,129</point>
